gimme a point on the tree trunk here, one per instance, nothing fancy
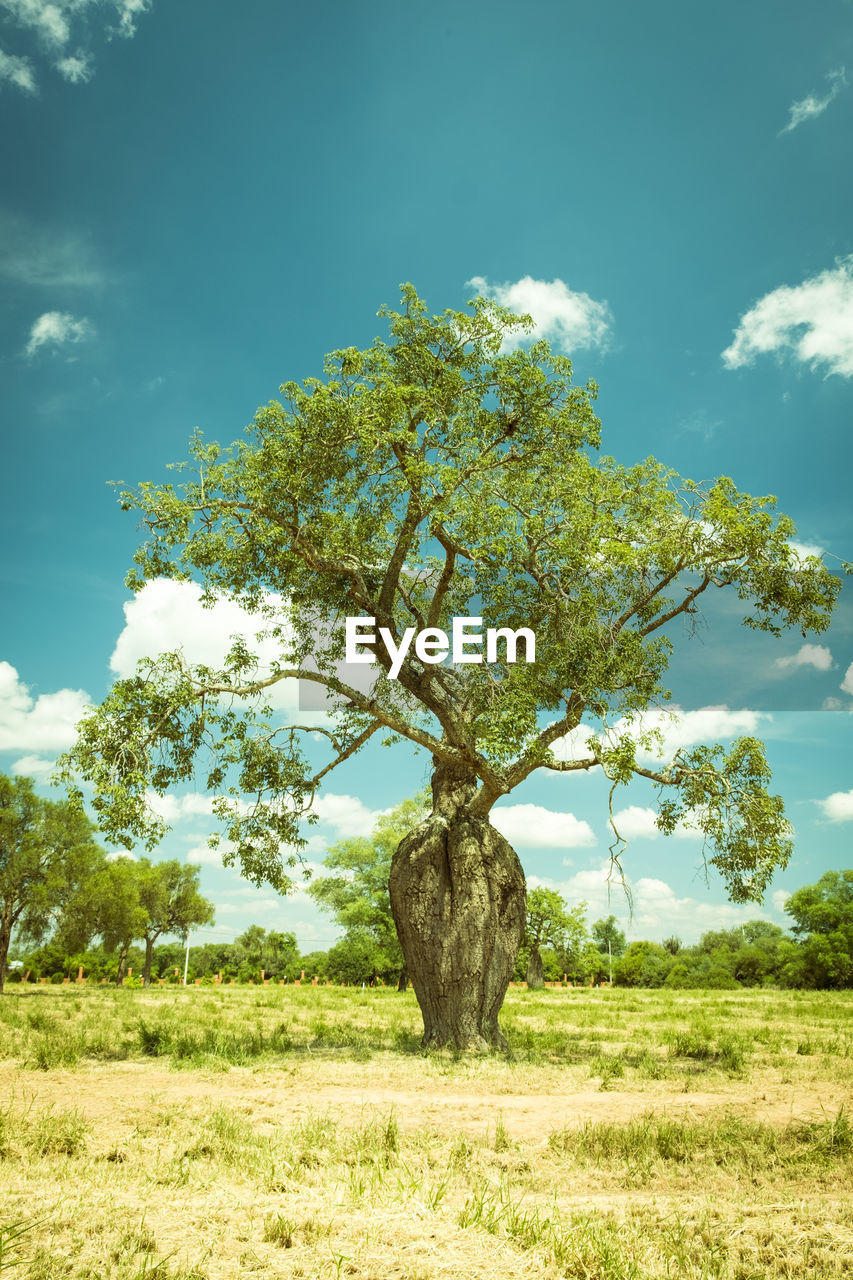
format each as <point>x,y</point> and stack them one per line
<point>5,939</point>
<point>122,961</point>
<point>458,901</point>
<point>535,972</point>
<point>149,951</point>
<point>403,980</point>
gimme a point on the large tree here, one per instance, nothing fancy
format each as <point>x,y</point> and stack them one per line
<point>549,923</point>
<point>823,918</point>
<point>442,474</point>
<point>46,852</point>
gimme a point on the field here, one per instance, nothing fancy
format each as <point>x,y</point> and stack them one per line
<point>216,1133</point>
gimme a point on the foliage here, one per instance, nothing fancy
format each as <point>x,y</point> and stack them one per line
<point>46,853</point>
<point>256,949</point>
<point>438,475</point>
<point>608,937</point>
<point>357,896</point>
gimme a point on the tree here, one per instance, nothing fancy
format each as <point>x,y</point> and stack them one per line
<point>823,917</point>
<point>549,924</point>
<point>107,906</point>
<point>169,897</point>
<point>276,953</point>
<point>358,896</point>
<point>608,937</point>
<point>46,852</point>
<point>439,476</point>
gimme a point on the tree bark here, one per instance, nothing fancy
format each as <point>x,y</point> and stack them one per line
<point>403,980</point>
<point>535,972</point>
<point>5,939</point>
<point>458,901</point>
<point>149,952</point>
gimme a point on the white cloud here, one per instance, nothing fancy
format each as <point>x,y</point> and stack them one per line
<point>678,728</point>
<point>839,806</point>
<point>17,71</point>
<point>76,68</point>
<point>534,827</point>
<point>847,682</point>
<point>658,910</point>
<point>165,616</point>
<point>44,256</point>
<point>567,319</point>
<point>57,328</point>
<point>52,22</point>
<point>38,724</point>
<point>779,897</point>
<point>805,549</point>
<point>808,655</point>
<point>33,767</point>
<point>812,321</point>
<point>347,814</point>
<point>638,823</point>
<point>810,107</point>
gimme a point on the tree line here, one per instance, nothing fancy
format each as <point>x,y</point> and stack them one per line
<point>69,906</point>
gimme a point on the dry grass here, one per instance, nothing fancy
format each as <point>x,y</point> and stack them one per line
<point>183,1135</point>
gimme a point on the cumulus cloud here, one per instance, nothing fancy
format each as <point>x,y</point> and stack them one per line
<point>567,319</point>
<point>678,729</point>
<point>838,807</point>
<point>45,723</point>
<point>808,655</point>
<point>534,827</point>
<point>56,329</point>
<point>17,71</point>
<point>636,822</point>
<point>33,767</point>
<point>847,682</point>
<point>658,911</point>
<point>165,616</point>
<point>812,106</point>
<point>812,321</point>
<point>805,549</point>
<point>347,814</point>
<point>53,22</point>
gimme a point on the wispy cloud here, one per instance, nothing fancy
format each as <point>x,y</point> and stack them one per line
<point>567,319</point>
<point>45,256</point>
<point>812,106</point>
<point>56,329</point>
<point>54,23</point>
<point>812,321</point>
<point>17,71</point>
<point>808,655</point>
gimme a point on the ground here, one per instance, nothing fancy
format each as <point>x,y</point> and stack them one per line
<point>216,1133</point>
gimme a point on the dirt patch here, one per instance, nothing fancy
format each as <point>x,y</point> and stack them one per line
<point>122,1094</point>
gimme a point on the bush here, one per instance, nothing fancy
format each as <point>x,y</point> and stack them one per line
<point>56,978</point>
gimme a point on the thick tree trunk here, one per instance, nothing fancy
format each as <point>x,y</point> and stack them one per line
<point>149,952</point>
<point>535,972</point>
<point>458,900</point>
<point>403,980</point>
<point>122,961</point>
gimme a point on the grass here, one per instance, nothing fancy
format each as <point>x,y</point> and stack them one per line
<point>215,1134</point>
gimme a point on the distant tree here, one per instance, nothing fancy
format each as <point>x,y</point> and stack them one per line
<point>314,964</point>
<point>357,896</point>
<point>644,964</point>
<point>357,958</point>
<point>276,953</point>
<point>672,944</point>
<point>823,919</point>
<point>607,934</point>
<point>169,896</point>
<point>46,853</point>
<point>549,923</point>
<point>107,907</point>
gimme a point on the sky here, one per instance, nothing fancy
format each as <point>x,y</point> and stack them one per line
<point>201,199</point>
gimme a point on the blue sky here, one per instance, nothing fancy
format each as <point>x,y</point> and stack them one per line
<point>200,199</point>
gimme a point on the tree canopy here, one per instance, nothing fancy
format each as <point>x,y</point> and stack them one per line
<point>439,474</point>
<point>46,851</point>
